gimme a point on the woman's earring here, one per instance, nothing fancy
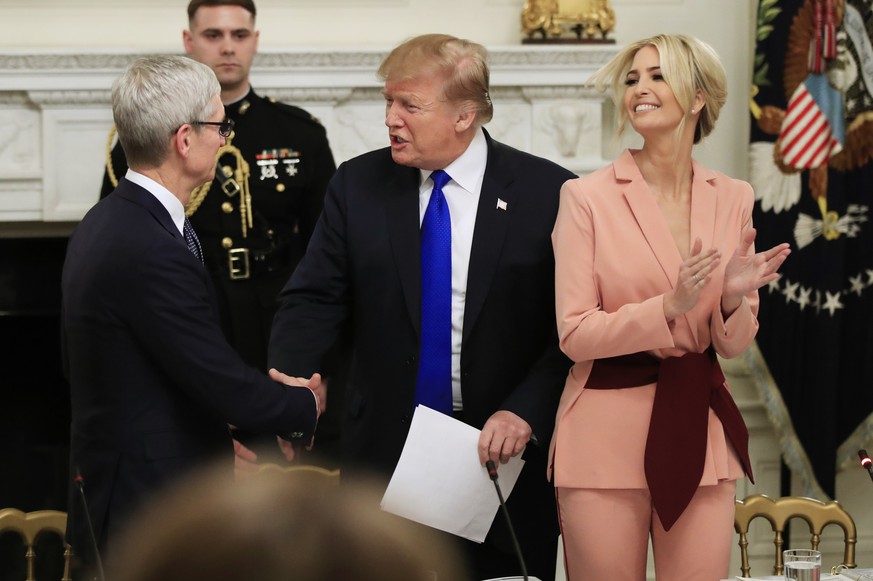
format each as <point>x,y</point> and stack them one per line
<point>693,111</point>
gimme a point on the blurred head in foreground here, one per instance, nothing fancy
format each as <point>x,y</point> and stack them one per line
<point>274,527</point>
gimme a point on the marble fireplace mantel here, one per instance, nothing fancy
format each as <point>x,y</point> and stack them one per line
<point>55,115</point>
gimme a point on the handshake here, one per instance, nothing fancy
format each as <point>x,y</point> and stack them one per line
<point>245,459</point>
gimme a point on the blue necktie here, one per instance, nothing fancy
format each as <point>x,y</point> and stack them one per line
<point>434,384</point>
<point>191,240</point>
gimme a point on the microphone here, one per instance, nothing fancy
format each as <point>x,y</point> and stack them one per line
<point>492,474</point>
<point>80,484</point>
<point>866,462</point>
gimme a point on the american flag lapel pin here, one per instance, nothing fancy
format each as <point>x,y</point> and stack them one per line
<point>501,205</point>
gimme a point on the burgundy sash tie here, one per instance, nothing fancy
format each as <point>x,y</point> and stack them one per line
<point>687,387</point>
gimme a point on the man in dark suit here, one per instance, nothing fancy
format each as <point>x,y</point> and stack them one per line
<point>153,382</point>
<point>255,218</point>
<point>478,340</point>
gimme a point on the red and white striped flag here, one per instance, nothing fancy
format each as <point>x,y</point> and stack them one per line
<point>814,127</point>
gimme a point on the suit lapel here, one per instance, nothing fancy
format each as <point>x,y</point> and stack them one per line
<point>648,216</point>
<point>703,205</point>
<point>651,222</point>
<point>703,211</point>
<point>404,232</point>
<point>492,224</point>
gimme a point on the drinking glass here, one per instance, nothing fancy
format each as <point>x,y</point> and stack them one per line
<point>802,565</point>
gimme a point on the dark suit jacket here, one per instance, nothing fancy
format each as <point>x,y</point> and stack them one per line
<point>362,269</point>
<point>153,381</point>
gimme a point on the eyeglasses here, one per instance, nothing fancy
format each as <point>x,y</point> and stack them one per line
<point>224,127</point>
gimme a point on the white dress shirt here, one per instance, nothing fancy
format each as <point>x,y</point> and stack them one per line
<point>164,196</point>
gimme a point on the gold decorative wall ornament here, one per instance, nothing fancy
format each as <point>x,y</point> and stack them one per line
<point>547,21</point>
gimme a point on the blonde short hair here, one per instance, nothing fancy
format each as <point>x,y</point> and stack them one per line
<point>688,65</point>
<point>274,526</point>
<point>462,62</point>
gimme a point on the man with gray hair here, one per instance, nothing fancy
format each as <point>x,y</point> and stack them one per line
<point>153,382</point>
<point>254,219</point>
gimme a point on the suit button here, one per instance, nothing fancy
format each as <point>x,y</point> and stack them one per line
<point>404,419</point>
<point>410,360</point>
<point>227,207</point>
<point>227,242</point>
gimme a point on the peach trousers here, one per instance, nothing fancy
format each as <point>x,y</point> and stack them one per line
<point>606,535</point>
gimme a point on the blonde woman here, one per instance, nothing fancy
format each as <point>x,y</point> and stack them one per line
<point>656,273</point>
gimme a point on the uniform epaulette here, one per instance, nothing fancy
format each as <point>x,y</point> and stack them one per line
<point>293,110</point>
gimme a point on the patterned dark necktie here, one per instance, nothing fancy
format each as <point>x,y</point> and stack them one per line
<point>191,240</point>
<point>434,383</point>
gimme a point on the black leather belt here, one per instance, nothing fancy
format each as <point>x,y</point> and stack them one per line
<point>248,263</point>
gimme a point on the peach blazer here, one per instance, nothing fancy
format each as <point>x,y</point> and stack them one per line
<point>615,259</point>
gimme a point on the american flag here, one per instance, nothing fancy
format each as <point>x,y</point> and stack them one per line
<point>814,127</point>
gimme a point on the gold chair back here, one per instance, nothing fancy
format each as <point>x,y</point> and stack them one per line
<point>30,525</point>
<point>315,475</point>
<point>780,511</point>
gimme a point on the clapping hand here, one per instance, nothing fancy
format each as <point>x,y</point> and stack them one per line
<point>694,275</point>
<point>748,271</point>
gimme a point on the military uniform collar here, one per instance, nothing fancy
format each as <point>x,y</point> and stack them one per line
<point>240,106</point>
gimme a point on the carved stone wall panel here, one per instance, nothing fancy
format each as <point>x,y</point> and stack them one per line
<point>20,155</point>
<point>302,96</point>
<point>75,142</point>
<point>512,125</point>
<point>20,199</point>
<point>569,132</point>
<point>357,127</point>
<point>70,97</point>
<point>14,98</point>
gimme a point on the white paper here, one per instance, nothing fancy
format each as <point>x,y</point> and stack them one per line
<point>439,482</point>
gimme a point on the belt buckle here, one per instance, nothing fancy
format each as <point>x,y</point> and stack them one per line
<point>238,263</point>
<point>230,187</point>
